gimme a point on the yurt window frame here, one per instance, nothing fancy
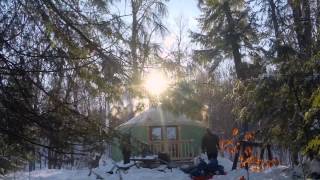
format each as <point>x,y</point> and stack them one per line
<point>151,130</point>
<point>176,130</point>
<point>164,135</point>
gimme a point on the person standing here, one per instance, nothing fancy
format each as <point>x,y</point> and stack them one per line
<point>210,145</point>
<point>126,148</point>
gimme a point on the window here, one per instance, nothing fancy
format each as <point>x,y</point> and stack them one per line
<point>172,133</point>
<point>156,133</point>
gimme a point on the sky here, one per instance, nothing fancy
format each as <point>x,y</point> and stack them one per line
<point>188,9</point>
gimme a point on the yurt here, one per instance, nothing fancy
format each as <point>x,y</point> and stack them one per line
<point>163,132</point>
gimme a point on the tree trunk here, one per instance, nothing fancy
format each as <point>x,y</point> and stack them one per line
<point>318,24</point>
<point>134,38</point>
<point>234,39</point>
<point>50,163</point>
<point>270,156</point>
<point>308,28</point>
<point>318,16</point>
<point>302,25</point>
<point>275,24</point>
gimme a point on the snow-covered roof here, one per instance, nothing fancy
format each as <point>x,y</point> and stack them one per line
<point>156,116</point>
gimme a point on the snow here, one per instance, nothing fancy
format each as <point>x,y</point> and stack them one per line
<point>146,157</point>
<point>315,166</point>
<point>134,173</point>
<point>277,173</point>
<point>155,116</point>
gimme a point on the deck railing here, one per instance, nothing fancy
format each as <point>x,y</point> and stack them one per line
<point>177,149</point>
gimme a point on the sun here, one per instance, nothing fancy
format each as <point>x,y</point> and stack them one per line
<point>156,83</point>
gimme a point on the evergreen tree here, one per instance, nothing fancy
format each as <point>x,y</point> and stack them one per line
<point>54,56</point>
<point>227,33</point>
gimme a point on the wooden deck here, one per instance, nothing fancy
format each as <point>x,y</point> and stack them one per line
<point>178,150</point>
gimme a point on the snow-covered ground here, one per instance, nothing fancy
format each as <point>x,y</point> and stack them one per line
<point>134,173</point>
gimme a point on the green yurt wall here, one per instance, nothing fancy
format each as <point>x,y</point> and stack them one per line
<point>193,132</point>
<point>138,132</point>
<point>138,127</point>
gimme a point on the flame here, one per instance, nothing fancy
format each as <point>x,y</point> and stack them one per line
<point>249,136</point>
<point>235,131</point>
<point>248,158</point>
<point>257,165</point>
<point>228,146</point>
<point>248,151</point>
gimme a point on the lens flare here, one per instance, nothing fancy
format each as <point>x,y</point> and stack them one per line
<point>156,83</point>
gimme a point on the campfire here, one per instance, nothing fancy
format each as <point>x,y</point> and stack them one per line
<point>247,151</point>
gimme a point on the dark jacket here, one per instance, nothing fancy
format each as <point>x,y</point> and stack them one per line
<point>125,145</point>
<point>210,143</point>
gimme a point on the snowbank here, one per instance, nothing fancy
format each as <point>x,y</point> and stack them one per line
<point>134,173</point>
<point>276,173</point>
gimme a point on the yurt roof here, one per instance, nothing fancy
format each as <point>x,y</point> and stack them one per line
<point>156,116</point>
